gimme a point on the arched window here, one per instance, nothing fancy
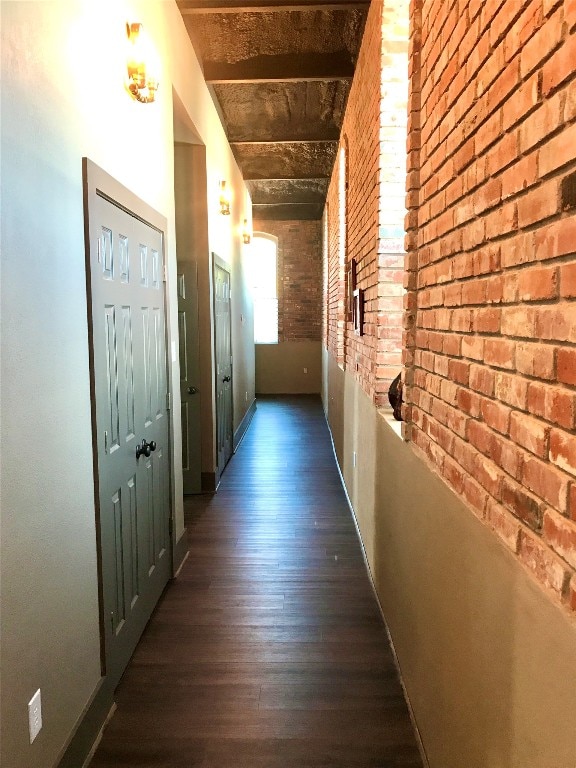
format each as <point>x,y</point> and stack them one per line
<point>342,248</point>
<point>326,273</point>
<point>264,284</point>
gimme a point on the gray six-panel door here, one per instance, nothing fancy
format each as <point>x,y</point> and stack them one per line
<point>190,395</point>
<point>223,355</point>
<point>131,420</point>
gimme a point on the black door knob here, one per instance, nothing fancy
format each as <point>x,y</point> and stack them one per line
<point>144,449</point>
<point>192,390</point>
<point>226,378</point>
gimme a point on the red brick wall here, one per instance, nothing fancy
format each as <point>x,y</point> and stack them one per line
<point>491,321</point>
<point>299,277</point>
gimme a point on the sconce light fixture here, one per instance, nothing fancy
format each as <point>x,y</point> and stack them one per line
<point>246,236</point>
<point>224,199</point>
<point>142,80</point>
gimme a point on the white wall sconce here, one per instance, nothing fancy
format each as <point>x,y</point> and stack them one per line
<point>224,199</point>
<point>142,77</point>
<point>246,234</point>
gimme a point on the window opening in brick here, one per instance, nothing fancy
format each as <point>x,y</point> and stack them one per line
<point>342,248</point>
<point>392,195</point>
<point>264,283</point>
<point>342,204</point>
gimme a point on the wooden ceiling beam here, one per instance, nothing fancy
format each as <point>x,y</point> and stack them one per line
<point>295,161</point>
<point>195,7</point>
<point>298,176</point>
<point>281,68</point>
<point>288,211</point>
<point>287,178</point>
<point>268,79</point>
<point>280,141</point>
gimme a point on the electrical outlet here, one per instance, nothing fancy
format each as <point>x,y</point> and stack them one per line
<point>305,370</point>
<point>35,715</point>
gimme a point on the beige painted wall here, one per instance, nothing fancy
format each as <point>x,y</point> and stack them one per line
<point>280,368</point>
<point>63,98</point>
<point>489,662</point>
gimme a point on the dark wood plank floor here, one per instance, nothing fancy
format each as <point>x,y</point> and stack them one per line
<point>269,650</point>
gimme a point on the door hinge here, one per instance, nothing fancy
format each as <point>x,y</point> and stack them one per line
<point>170,526</point>
<point>99,250</point>
<point>105,442</point>
<point>164,273</point>
<point>168,401</point>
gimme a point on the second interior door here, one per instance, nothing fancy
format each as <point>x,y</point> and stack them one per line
<point>223,363</point>
<point>190,395</point>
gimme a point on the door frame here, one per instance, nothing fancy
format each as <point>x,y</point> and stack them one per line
<point>98,183</point>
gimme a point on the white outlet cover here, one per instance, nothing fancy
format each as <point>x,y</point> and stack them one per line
<point>35,715</point>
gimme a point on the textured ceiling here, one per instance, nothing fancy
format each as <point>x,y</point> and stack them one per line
<point>288,111</point>
<point>280,73</point>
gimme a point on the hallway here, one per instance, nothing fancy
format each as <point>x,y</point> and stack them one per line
<point>269,650</point>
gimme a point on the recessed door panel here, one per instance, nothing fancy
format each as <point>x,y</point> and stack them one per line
<point>147,503</point>
<point>155,269</point>
<point>146,366</point>
<point>133,584</point>
<point>183,353</point>
<point>113,420</point>
<point>128,383</point>
<point>118,609</point>
<point>143,266</point>
<point>158,483</point>
<point>123,259</point>
<point>185,425</point>
<point>157,353</point>
<point>105,254</point>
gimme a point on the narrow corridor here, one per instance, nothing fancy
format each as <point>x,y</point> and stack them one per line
<point>269,650</point>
